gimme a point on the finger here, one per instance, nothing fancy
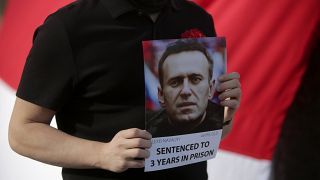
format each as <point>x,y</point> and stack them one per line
<point>231,84</point>
<point>227,77</point>
<point>137,143</point>
<point>135,163</point>
<point>137,153</point>
<point>232,93</point>
<point>231,103</point>
<point>135,133</point>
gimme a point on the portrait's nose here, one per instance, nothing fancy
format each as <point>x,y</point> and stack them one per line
<point>186,90</point>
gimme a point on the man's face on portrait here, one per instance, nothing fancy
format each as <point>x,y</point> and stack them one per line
<point>186,86</point>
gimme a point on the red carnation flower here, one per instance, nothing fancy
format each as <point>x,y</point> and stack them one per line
<point>192,33</point>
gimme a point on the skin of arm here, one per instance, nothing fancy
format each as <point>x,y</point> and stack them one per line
<point>31,135</point>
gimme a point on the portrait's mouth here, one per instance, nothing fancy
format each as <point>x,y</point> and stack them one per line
<point>186,104</point>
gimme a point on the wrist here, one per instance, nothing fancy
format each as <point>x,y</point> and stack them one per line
<point>98,158</point>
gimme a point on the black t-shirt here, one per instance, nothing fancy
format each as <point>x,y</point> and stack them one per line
<point>86,64</point>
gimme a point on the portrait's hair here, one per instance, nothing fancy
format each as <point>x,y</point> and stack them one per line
<point>182,46</point>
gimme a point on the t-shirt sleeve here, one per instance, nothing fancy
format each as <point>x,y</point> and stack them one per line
<point>48,77</point>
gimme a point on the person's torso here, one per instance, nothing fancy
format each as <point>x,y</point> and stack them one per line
<point>107,50</point>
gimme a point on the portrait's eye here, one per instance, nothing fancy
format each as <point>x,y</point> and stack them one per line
<point>175,82</point>
<point>195,79</point>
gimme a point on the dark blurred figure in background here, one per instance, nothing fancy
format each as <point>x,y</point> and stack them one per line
<point>2,4</point>
<point>297,153</point>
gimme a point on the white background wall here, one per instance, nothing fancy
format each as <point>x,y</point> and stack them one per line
<point>12,165</point>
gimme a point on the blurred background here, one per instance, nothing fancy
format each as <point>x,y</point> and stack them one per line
<point>273,44</point>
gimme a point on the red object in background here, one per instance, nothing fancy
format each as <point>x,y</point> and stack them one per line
<point>267,43</point>
<point>20,20</point>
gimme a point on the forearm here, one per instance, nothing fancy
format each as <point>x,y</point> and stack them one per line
<point>41,142</point>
